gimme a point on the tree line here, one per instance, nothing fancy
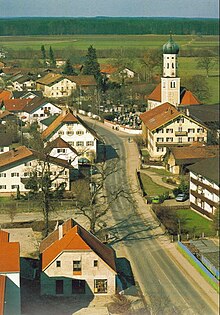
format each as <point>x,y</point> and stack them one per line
<point>103,25</point>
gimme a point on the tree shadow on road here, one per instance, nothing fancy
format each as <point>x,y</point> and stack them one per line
<point>131,229</point>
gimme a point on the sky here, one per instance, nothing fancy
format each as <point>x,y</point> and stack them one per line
<point>87,8</point>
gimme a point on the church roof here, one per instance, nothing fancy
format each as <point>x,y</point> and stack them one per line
<point>186,96</point>
<point>170,47</point>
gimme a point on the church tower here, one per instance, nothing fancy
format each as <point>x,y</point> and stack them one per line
<point>170,83</point>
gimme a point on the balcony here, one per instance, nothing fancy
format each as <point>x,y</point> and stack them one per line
<point>181,133</point>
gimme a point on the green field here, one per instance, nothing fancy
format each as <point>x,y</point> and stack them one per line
<point>82,42</point>
<point>151,188</point>
<point>193,223</point>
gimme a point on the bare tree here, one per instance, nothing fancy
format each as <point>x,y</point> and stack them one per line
<point>206,63</point>
<point>95,204</point>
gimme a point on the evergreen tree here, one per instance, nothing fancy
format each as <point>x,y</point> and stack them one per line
<point>52,59</point>
<point>43,53</point>
<point>91,65</point>
<point>68,69</point>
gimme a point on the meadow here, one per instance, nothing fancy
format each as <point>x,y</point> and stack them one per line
<point>82,42</point>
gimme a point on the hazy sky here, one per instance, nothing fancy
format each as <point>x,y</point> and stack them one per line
<point>75,8</point>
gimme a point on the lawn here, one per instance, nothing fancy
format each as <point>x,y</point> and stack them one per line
<point>193,223</point>
<point>151,188</point>
<point>159,171</point>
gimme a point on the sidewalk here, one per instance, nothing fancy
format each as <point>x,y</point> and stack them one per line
<point>145,211</point>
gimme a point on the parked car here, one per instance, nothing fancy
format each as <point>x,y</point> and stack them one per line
<point>182,197</point>
<point>156,199</point>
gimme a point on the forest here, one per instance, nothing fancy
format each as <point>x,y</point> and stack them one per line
<point>107,25</point>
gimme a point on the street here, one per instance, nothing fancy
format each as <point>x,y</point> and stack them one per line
<point>161,281</point>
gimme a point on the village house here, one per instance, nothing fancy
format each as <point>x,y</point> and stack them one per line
<point>204,186</point>
<point>10,296</point>
<point>74,261</point>
<point>23,83</point>
<point>18,165</point>
<point>55,85</point>
<point>177,160</point>
<point>31,109</point>
<point>165,126</point>
<point>75,131</point>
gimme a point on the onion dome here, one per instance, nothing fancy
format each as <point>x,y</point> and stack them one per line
<point>170,47</point>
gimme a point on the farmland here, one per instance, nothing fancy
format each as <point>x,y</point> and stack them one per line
<point>81,42</point>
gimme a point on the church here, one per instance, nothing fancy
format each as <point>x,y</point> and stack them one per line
<point>170,90</point>
<point>166,124</point>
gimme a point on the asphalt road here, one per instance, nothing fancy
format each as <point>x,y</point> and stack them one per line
<point>161,281</point>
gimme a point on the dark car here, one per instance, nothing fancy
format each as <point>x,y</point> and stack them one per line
<point>182,197</point>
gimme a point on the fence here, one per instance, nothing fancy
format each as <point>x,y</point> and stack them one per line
<point>199,266</point>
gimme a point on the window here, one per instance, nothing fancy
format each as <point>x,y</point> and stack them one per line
<point>180,139</point>
<point>78,286</point>
<point>59,286</point>
<point>172,84</point>
<point>14,174</point>
<point>180,120</point>
<point>191,139</point>
<point>173,67</point>
<point>79,143</point>
<point>2,174</point>
<point>69,133</point>
<point>61,150</point>
<point>95,263</point>
<point>191,130</point>
<point>2,186</point>
<point>169,139</point>
<point>35,115</point>
<point>14,186</point>
<point>100,286</point>
<point>159,139</point>
<point>180,128</point>
<point>60,133</point>
<point>58,263</point>
<point>159,130</point>
<point>1,149</point>
<point>89,143</point>
<point>168,66</point>
<point>77,267</point>
<point>80,132</point>
<point>200,130</point>
<point>169,130</point>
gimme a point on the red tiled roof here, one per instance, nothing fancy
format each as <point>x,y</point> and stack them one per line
<point>65,117</point>
<point>195,152</point>
<point>2,293</point>
<point>17,104</point>
<point>159,116</point>
<point>156,94</point>
<point>22,153</point>
<point>189,99</point>
<point>5,95</point>
<point>74,238</point>
<point>9,254</point>
<point>186,98</point>
<point>108,69</point>
<point>83,80</point>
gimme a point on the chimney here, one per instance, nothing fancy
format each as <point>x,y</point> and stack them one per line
<point>60,229</point>
<point>13,151</point>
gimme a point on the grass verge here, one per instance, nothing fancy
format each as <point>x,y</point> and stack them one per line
<point>151,188</point>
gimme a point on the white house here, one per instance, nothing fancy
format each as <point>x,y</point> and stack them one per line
<point>63,150</point>
<point>74,261</point>
<point>204,186</point>
<point>165,126</point>
<point>23,83</point>
<point>55,85</point>
<point>75,131</point>
<point>17,166</point>
<point>170,90</point>
<point>10,297</point>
